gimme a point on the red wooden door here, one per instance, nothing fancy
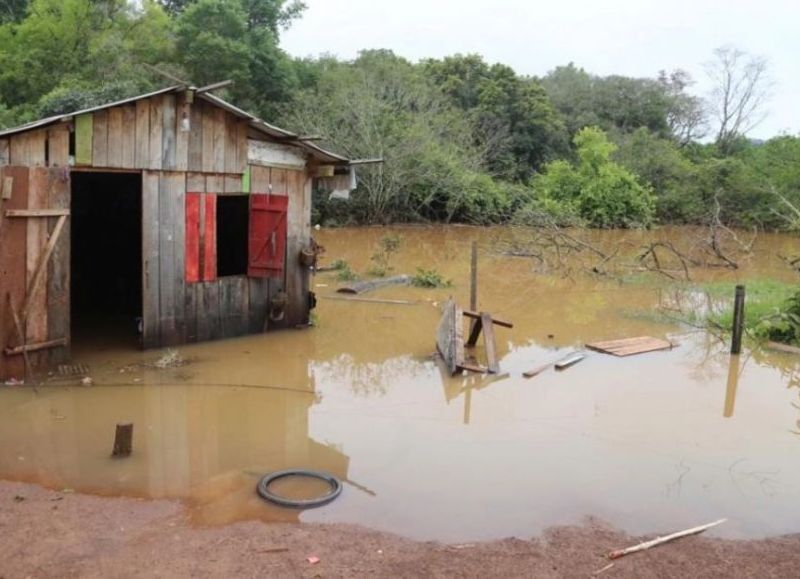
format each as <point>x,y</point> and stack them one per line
<point>267,243</point>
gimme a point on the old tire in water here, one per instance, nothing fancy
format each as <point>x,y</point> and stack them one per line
<point>263,488</point>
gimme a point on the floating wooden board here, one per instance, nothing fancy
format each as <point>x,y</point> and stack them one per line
<point>783,347</point>
<point>450,337</point>
<point>73,370</point>
<point>630,346</point>
<point>570,360</point>
<point>360,287</point>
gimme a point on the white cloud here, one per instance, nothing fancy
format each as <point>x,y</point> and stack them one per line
<point>631,37</point>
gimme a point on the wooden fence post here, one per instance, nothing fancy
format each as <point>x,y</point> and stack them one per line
<point>738,320</point>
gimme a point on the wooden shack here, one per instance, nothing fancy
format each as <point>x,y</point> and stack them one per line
<point>168,218</point>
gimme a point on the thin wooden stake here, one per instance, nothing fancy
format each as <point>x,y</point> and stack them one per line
<point>661,540</point>
<point>473,284</point>
<point>738,320</point>
<point>123,440</point>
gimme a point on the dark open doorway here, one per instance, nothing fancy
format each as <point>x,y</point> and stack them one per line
<point>106,258</point>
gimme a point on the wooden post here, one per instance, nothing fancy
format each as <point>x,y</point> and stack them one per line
<point>733,382</point>
<point>738,320</point>
<point>473,283</point>
<point>123,440</point>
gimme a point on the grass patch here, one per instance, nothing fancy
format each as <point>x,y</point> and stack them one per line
<point>429,278</point>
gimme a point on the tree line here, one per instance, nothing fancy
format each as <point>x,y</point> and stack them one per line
<point>463,140</point>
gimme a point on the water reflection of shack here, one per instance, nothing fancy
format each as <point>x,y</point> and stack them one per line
<point>206,443</point>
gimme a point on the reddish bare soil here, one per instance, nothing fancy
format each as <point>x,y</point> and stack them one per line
<point>51,534</point>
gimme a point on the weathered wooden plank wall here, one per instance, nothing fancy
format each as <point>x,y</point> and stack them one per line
<point>58,270</point>
<point>13,248</point>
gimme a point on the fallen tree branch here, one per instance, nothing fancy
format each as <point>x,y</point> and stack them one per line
<point>661,540</point>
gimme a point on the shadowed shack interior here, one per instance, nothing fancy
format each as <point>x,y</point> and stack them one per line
<point>106,257</point>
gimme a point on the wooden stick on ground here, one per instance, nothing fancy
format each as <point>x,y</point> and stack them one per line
<point>661,540</point>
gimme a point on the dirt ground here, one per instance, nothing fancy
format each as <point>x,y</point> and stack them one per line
<point>54,534</point>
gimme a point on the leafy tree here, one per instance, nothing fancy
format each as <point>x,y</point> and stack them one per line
<point>512,118</point>
<point>215,41</point>
<point>271,14</point>
<point>596,189</point>
<point>13,10</point>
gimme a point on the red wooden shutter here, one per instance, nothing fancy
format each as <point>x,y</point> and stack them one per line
<point>192,237</point>
<point>201,237</point>
<point>267,244</point>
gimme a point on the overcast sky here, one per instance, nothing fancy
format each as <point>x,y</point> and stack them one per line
<point>629,37</point>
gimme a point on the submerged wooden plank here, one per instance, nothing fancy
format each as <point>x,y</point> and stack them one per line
<point>568,361</point>
<point>142,154</point>
<point>151,231</point>
<point>100,139</point>
<point>364,286</point>
<point>630,346</point>
<point>489,343</point>
<point>450,337</point>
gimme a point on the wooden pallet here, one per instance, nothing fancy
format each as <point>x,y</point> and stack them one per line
<point>450,338</point>
<point>630,346</point>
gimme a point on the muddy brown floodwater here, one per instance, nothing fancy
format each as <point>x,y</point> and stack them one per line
<point>658,441</point>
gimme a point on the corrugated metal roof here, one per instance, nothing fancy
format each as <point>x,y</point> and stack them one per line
<point>284,136</point>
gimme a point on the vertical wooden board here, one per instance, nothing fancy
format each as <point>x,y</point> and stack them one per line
<point>233,306</point>
<point>129,145</point>
<point>233,184</point>
<point>215,184</point>
<point>4,153</point>
<point>246,180</point>
<point>208,138</point>
<point>58,146</point>
<point>278,181</point>
<point>37,148</point>
<point>151,232</point>
<point>297,311</point>
<point>209,238</point>
<point>58,272</point>
<point>231,144</point>
<point>258,297</point>
<point>190,312</point>
<point>172,191</point>
<point>183,124</point>
<point>195,183</point>
<point>142,160</point>
<point>192,255</point>
<point>219,140</point>
<point>100,139</point>
<point>168,133</point>
<point>13,241</point>
<point>115,137</point>
<point>241,143</point>
<point>156,128</point>
<point>260,179</point>
<point>84,137</point>
<point>208,322</point>
<point>196,137</point>
<point>36,325</point>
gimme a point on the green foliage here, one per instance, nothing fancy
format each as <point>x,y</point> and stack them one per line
<point>429,278</point>
<point>600,192</point>
<point>345,273</point>
<point>511,116</point>
<point>784,324</point>
<point>388,245</point>
<point>339,264</point>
